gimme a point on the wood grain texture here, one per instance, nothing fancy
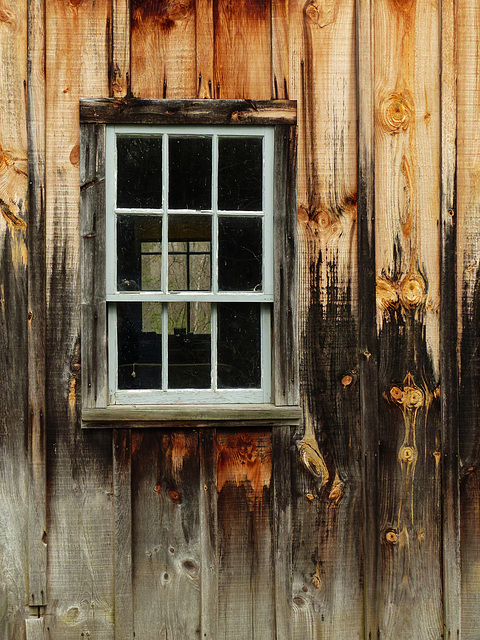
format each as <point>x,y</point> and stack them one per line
<point>204,48</point>
<point>13,321</point>
<point>163,56</point>
<point>246,581</point>
<point>407,205</point>
<point>166,543</point>
<point>327,549</point>
<point>448,327</point>
<point>35,629</point>
<point>80,567</point>
<point>120,72</point>
<point>122,496</point>
<point>280,49</point>
<point>243,58</point>
<point>468,252</point>
<point>37,506</point>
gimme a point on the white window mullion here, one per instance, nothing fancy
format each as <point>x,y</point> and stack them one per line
<point>164,346</point>
<point>112,351</point>
<point>213,332</point>
<point>215,214</point>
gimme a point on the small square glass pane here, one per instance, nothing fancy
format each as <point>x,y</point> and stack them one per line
<point>240,183</point>
<point>189,345</point>
<point>239,254</point>
<point>139,173</point>
<point>139,253</point>
<point>190,173</point>
<point>139,339</point>
<point>239,346</point>
<point>189,252</point>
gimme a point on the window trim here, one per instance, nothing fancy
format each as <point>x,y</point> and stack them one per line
<point>94,115</point>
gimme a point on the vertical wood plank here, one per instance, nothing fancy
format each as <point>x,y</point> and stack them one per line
<point>327,492</point>
<point>208,534</point>
<point>122,500</point>
<point>282,530</point>
<point>166,535</point>
<point>80,536</point>
<point>407,226</point>
<point>163,49</point>
<point>204,47</point>
<point>243,63</point>
<point>448,328</point>
<point>37,507</point>
<point>246,608</point>
<point>92,296</point>
<point>120,73</point>
<point>280,49</point>
<point>13,320</point>
<point>468,252</point>
<point>35,629</point>
<point>367,307</point>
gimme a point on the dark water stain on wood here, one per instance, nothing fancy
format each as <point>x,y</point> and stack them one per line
<point>164,13</point>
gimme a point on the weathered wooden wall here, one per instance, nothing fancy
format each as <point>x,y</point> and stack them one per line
<point>221,534</point>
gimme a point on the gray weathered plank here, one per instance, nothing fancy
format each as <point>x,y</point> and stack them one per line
<point>208,533</point>
<point>122,501</point>
<point>37,507</point>
<point>35,629</point>
<point>166,534</point>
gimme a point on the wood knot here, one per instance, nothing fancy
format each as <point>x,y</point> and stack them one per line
<point>175,496</point>
<point>413,397</point>
<point>322,13</point>
<point>396,394</point>
<point>396,113</point>
<point>412,290</point>
<point>386,295</point>
<point>391,537</point>
<point>407,454</point>
<point>7,16</point>
<point>347,380</point>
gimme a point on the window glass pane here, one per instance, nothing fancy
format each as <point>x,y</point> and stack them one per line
<point>139,329</point>
<point>189,252</point>
<point>139,173</point>
<point>238,346</point>
<point>239,254</point>
<point>190,173</point>
<point>189,345</point>
<point>139,253</point>
<point>240,174</point>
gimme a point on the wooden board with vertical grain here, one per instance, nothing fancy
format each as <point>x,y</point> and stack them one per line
<point>468,287</point>
<point>204,47</point>
<point>80,567</point>
<point>242,65</point>
<point>407,237</point>
<point>327,552</point>
<point>246,581</point>
<point>13,319</point>
<point>163,60</point>
<point>166,539</point>
<point>37,506</point>
<point>120,72</point>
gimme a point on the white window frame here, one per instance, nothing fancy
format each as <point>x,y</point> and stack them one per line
<point>215,395</point>
<point>282,407</point>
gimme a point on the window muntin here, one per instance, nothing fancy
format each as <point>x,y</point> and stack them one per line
<point>189,274</point>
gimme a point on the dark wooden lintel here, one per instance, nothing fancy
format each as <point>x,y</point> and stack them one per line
<point>142,111</point>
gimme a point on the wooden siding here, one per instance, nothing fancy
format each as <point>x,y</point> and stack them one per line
<point>362,521</point>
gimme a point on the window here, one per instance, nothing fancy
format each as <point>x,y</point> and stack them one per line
<point>187,265</point>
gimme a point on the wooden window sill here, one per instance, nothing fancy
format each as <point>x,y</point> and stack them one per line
<point>233,415</point>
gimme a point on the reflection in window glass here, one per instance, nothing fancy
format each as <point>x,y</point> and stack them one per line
<point>239,359</point>
<point>139,173</point>
<point>189,252</point>
<point>239,254</point>
<point>139,253</point>
<point>240,174</point>
<point>189,345</point>
<point>139,328</point>
<point>190,173</point>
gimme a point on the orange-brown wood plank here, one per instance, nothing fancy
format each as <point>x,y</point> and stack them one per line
<point>243,58</point>
<point>80,525</point>
<point>13,318</point>
<point>246,581</point>
<point>327,490</point>
<point>468,252</point>
<point>163,55</point>
<point>407,208</point>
